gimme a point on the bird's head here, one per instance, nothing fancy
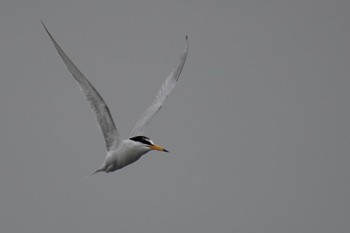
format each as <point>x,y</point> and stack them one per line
<point>147,143</point>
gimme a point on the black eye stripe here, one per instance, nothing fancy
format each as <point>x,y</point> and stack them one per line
<point>146,142</point>
<point>142,139</point>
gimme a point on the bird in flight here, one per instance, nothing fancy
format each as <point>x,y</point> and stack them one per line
<point>121,152</point>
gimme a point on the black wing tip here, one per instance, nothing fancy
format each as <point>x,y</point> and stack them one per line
<point>42,22</point>
<point>47,30</point>
<point>186,47</point>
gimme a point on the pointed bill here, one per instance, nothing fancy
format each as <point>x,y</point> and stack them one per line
<point>156,147</point>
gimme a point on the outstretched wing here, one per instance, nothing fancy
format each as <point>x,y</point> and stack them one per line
<point>163,93</point>
<point>97,104</point>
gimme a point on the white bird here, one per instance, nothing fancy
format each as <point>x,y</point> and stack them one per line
<point>121,152</point>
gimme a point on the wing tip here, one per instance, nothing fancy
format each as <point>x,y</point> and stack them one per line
<point>42,22</point>
<point>47,30</point>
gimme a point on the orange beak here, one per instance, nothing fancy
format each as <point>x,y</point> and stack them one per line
<point>156,147</point>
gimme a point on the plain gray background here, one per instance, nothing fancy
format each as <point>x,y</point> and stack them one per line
<point>258,126</point>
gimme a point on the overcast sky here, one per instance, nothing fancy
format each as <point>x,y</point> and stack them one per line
<point>258,125</point>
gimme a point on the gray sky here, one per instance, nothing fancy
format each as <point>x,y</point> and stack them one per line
<point>258,126</point>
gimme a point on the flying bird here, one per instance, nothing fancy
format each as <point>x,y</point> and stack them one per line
<point>121,152</point>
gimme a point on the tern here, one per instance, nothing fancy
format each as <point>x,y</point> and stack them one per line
<point>121,152</point>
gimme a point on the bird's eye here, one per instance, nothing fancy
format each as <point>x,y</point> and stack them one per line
<point>142,139</point>
<point>147,142</point>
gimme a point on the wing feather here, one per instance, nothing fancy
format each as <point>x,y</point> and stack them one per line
<point>96,102</point>
<point>163,93</point>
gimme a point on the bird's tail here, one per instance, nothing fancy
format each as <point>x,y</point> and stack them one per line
<point>100,169</point>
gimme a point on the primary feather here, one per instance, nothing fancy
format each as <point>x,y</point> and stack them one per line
<point>96,102</point>
<point>163,93</point>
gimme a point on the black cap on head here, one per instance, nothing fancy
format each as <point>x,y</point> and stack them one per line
<point>142,139</point>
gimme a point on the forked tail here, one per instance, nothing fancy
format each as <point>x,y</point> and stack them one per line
<point>100,169</point>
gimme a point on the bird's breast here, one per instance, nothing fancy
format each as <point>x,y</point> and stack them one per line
<point>128,152</point>
<point>129,156</point>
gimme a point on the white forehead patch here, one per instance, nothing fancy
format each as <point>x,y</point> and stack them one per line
<point>149,141</point>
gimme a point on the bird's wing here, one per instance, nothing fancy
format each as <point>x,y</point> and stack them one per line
<point>163,93</point>
<point>97,104</point>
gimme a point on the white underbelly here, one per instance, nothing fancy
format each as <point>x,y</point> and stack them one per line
<point>123,157</point>
<point>128,158</point>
